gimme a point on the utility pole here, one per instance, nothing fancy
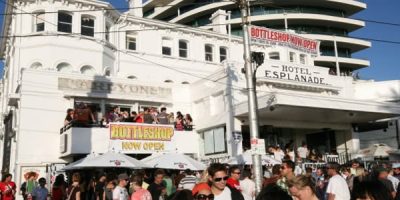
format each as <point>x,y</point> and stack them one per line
<point>251,90</point>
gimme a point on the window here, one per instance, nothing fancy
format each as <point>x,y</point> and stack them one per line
<point>166,46</point>
<point>64,67</point>
<point>36,65</point>
<point>223,54</point>
<point>208,52</point>
<point>87,26</point>
<point>183,49</point>
<point>39,21</point>
<point>131,77</point>
<point>88,70</point>
<point>274,56</point>
<point>131,40</point>
<point>64,22</point>
<point>214,141</point>
<point>303,59</point>
<point>107,33</point>
<point>292,57</point>
<point>107,72</point>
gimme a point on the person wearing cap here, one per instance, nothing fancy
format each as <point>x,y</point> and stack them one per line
<point>187,182</point>
<point>40,192</point>
<point>120,192</point>
<point>396,170</point>
<point>337,187</point>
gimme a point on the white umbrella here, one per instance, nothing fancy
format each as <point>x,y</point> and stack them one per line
<point>376,150</point>
<point>151,157</point>
<point>110,160</point>
<point>246,159</point>
<point>175,161</point>
<point>79,163</point>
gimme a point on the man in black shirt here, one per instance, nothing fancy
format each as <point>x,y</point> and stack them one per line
<point>99,189</point>
<point>157,188</point>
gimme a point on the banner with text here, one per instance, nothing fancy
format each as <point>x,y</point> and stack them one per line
<point>142,138</point>
<point>266,36</point>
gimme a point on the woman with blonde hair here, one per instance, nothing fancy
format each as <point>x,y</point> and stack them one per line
<point>74,191</point>
<point>303,188</point>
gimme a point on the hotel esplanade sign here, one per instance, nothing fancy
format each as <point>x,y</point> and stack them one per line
<point>110,88</point>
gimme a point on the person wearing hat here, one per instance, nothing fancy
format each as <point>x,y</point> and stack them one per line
<point>337,187</point>
<point>396,170</point>
<point>40,192</point>
<point>120,192</point>
<point>202,191</point>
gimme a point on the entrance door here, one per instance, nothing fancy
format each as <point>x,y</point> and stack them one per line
<point>322,142</point>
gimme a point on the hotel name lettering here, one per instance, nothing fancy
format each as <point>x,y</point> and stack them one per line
<point>292,73</point>
<point>112,88</point>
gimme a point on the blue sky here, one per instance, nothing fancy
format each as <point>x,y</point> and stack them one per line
<point>383,56</point>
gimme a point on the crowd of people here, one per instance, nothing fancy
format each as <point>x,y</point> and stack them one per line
<point>221,182</point>
<point>83,116</point>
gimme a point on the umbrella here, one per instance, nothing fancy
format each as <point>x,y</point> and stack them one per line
<point>151,157</point>
<point>175,161</point>
<point>246,159</point>
<point>79,163</point>
<point>375,150</point>
<point>110,160</point>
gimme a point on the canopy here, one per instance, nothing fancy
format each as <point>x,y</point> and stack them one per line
<point>246,159</point>
<point>108,160</point>
<point>375,150</point>
<point>175,161</point>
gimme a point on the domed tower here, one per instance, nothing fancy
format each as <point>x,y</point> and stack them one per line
<point>328,21</point>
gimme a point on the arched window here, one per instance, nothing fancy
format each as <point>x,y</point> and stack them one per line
<point>87,25</point>
<point>166,46</point>
<point>183,48</point>
<point>39,21</point>
<point>131,77</point>
<point>185,82</point>
<point>64,67</point>
<point>88,70</point>
<point>274,56</point>
<point>36,65</point>
<point>208,52</point>
<point>168,81</point>
<point>64,22</point>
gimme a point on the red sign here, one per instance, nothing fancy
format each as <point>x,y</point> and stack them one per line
<point>274,37</point>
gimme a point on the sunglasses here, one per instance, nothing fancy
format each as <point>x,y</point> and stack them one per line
<point>204,197</point>
<point>236,172</point>
<point>220,179</point>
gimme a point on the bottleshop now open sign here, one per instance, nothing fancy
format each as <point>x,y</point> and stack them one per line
<point>142,138</point>
<point>266,36</point>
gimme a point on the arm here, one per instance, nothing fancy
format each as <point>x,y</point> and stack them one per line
<point>331,196</point>
<point>78,195</point>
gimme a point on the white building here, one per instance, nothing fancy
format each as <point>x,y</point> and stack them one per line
<point>66,52</point>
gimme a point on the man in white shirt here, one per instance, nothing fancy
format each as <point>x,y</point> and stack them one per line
<point>120,192</point>
<point>248,186</point>
<point>337,187</point>
<point>303,151</point>
<point>217,177</point>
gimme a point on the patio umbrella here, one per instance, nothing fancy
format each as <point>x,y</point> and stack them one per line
<point>152,156</point>
<point>175,161</point>
<point>376,150</point>
<point>79,163</point>
<point>246,159</point>
<point>110,160</point>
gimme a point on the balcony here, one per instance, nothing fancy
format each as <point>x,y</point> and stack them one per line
<point>77,140</point>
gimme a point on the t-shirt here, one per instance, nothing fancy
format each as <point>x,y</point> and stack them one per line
<point>233,183</point>
<point>100,190</point>
<point>155,190</point>
<point>6,190</point>
<point>163,118</point>
<point>141,194</point>
<point>224,195</point>
<point>302,151</point>
<point>40,193</point>
<point>279,155</point>
<point>120,193</point>
<point>338,186</point>
<point>248,188</point>
<point>187,182</point>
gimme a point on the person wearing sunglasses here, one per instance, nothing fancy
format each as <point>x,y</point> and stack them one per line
<point>287,173</point>
<point>202,191</point>
<point>234,178</point>
<point>217,180</point>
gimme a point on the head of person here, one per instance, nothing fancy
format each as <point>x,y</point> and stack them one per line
<point>287,168</point>
<point>217,176</point>
<point>355,164</point>
<point>304,144</point>
<point>346,171</point>
<point>42,182</point>
<point>137,182</point>
<point>59,180</point>
<point>123,179</point>
<point>333,168</point>
<point>234,172</point>
<point>202,191</point>
<point>382,172</point>
<point>189,172</point>
<point>70,111</point>
<point>370,190</point>
<point>246,174</point>
<point>158,176</point>
<point>302,187</point>
<point>396,168</point>
<point>163,109</point>
<point>102,178</point>
<point>308,171</point>
<point>273,191</point>
<point>320,171</point>
<point>6,178</point>
<point>276,170</point>
<point>76,177</point>
<point>183,195</point>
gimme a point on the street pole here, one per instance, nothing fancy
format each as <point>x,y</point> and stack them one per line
<point>252,98</point>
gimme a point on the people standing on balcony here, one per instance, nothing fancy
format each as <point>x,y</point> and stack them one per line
<point>303,151</point>
<point>69,117</point>
<point>74,191</point>
<point>171,118</point>
<point>114,115</point>
<point>7,187</point>
<point>179,123</point>
<point>188,122</point>
<point>83,116</point>
<point>58,191</point>
<point>138,118</point>
<point>162,118</point>
<point>147,116</point>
